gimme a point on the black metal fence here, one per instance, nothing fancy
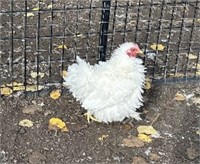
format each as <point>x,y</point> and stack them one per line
<point>40,38</point>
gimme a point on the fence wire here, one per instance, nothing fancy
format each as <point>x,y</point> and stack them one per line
<point>40,38</point>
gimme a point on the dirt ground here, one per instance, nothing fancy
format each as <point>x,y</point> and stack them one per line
<point>178,126</point>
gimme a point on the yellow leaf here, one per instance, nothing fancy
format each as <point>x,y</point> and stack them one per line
<point>179,97</point>
<point>198,73</point>
<point>19,88</point>
<point>198,20</point>
<point>176,75</point>
<point>55,94</point>
<point>6,91</point>
<point>56,123</point>
<point>62,46</point>
<point>146,130</point>
<point>103,137</point>
<point>198,66</point>
<point>26,123</point>
<point>192,56</point>
<point>35,9</point>
<point>35,74</point>
<point>49,6</point>
<point>196,100</point>
<point>33,88</point>
<point>144,138</point>
<point>29,14</point>
<point>158,47</point>
<point>147,83</point>
<point>64,73</point>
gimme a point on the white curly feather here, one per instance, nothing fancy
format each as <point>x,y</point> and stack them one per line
<point>112,90</point>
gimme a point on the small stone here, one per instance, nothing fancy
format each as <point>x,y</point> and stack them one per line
<point>36,158</point>
<point>31,109</point>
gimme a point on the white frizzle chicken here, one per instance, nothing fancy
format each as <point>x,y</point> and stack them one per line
<point>111,90</point>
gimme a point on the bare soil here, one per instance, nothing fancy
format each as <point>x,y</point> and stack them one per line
<point>177,125</point>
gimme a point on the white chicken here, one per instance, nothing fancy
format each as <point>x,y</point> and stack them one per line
<point>112,90</point>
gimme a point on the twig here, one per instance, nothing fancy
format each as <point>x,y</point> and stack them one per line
<point>155,119</point>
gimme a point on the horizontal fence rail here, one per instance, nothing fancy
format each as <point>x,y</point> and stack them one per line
<point>40,39</point>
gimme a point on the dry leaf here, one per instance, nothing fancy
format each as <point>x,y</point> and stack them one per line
<point>64,73</point>
<point>144,138</point>
<point>196,100</point>
<point>146,130</point>
<point>29,14</point>
<point>31,109</point>
<point>176,75</point>
<point>179,97</point>
<point>35,74</point>
<point>139,160</point>
<point>198,66</point>
<point>158,47</point>
<point>55,94</point>
<point>132,142</point>
<point>198,132</point>
<point>33,88</point>
<point>35,9</point>
<point>26,123</point>
<point>126,127</point>
<point>198,73</point>
<point>103,137</point>
<point>19,88</point>
<point>192,153</point>
<point>192,56</point>
<point>147,83</point>
<point>57,124</point>
<point>49,6</point>
<point>62,46</point>
<point>6,91</point>
<point>154,157</point>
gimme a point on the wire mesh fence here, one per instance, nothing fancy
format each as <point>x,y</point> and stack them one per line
<point>40,38</point>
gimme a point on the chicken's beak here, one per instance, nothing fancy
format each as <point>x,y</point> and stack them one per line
<point>140,53</point>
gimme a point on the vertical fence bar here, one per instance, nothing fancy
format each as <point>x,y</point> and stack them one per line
<point>104,29</point>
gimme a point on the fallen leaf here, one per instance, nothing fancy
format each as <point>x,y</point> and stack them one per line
<point>132,142</point>
<point>126,127</point>
<point>35,9</point>
<point>19,88</point>
<point>35,74</point>
<point>158,47</point>
<point>176,75</point>
<point>144,138</point>
<point>198,132</point>
<point>64,73</point>
<point>6,91</point>
<point>147,83</point>
<point>57,124</point>
<point>26,123</point>
<point>49,6</point>
<point>146,130</point>
<point>55,94</point>
<point>139,160</point>
<point>31,109</point>
<point>30,14</point>
<point>198,73</point>
<point>154,157</point>
<point>192,153</point>
<point>196,100</point>
<point>33,88</point>
<point>179,97</point>
<point>62,46</point>
<point>198,20</point>
<point>192,56</point>
<point>103,137</point>
<point>198,66</point>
